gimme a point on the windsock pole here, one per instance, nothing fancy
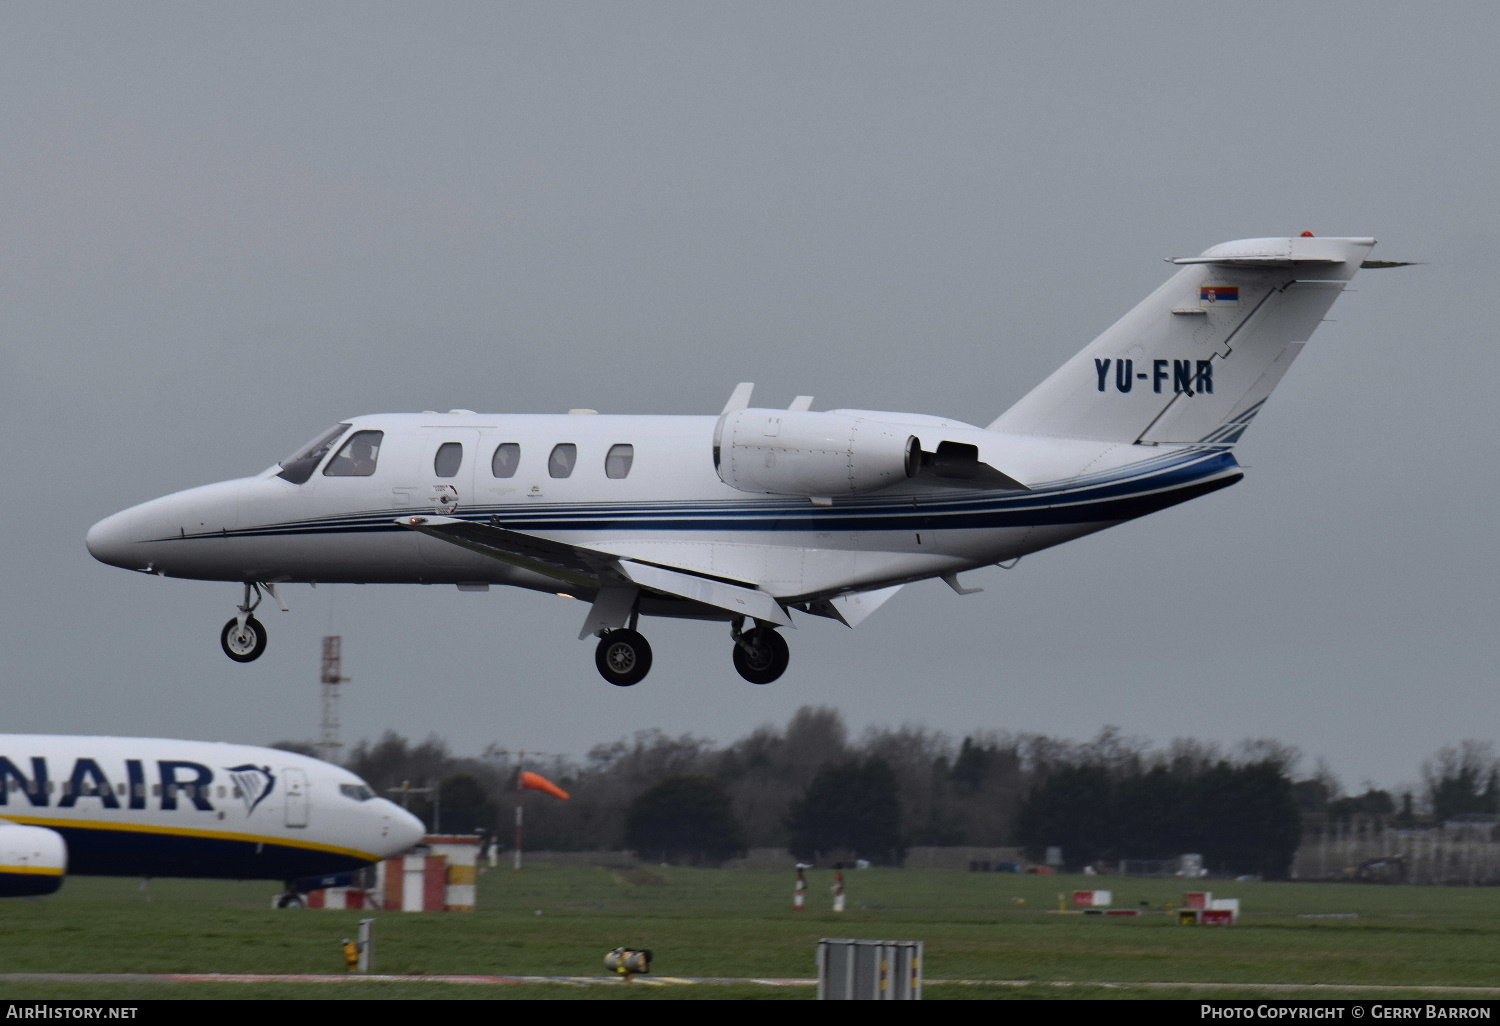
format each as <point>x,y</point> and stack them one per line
<point>799,895</point>
<point>838,888</point>
<point>520,791</point>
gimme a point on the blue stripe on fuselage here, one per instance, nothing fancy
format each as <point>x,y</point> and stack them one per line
<point>1112,496</point>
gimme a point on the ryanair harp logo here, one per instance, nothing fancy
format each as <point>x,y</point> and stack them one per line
<point>253,782</point>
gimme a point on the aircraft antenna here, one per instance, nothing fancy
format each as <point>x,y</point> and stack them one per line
<point>330,676</point>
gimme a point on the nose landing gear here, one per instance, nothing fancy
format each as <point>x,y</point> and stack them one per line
<point>243,641</point>
<point>760,654</point>
<point>244,637</point>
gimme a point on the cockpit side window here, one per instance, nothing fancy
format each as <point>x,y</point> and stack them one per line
<point>564,456</point>
<point>359,792</point>
<point>298,467</point>
<point>450,456</point>
<point>357,457</point>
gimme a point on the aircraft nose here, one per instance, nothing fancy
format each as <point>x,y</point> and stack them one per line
<point>114,540</point>
<point>401,830</point>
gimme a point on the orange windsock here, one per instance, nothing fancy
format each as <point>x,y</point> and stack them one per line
<point>537,782</point>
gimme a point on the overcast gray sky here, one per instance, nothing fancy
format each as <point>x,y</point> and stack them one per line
<point>226,226</point>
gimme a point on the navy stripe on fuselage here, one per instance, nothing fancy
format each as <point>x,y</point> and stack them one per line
<point>1108,496</point>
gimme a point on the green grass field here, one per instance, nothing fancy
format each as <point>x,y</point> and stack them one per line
<point>559,921</point>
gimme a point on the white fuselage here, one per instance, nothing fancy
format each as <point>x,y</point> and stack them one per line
<point>671,508</point>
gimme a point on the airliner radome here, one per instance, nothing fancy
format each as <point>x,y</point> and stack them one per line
<point>749,515</point>
<point>133,806</point>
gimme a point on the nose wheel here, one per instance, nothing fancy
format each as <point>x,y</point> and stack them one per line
<point>244,638</point>
<point>761,655</point>
<point>623,657</point>
<point>243,642</point>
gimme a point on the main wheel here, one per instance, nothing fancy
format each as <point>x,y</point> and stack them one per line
<point>623,658</point>
<point>761,655</point>
<point>243,644</point>
<point>291,899</point>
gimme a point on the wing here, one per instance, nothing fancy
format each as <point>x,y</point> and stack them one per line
<point>617,579</point>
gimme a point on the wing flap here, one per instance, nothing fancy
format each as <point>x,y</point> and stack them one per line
<point>584,567</point>
<point>737,599</point>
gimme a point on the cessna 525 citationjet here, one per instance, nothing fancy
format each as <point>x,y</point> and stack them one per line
<point>746,516</point>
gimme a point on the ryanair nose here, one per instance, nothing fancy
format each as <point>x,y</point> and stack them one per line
<point>400,830</point>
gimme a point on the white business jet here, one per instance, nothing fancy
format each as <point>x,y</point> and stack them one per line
<point>746,516</point>
<point>133,806</point>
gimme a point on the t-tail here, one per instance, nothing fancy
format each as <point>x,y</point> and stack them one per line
<point>1195,361</point>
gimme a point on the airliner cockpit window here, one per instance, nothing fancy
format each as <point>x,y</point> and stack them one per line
<point>298,467</point>
<point>359,792</point>
<point>357,457</point>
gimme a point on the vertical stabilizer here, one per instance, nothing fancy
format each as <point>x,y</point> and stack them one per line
<point>1197,358</point>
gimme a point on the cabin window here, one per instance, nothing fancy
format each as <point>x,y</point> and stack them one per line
<point>120,790</point>
<point>507,457</point>
<point>450,456</point>
<point>564,456</point>
<point>298,467</point>
<point>357,457</point>
<point>617,462</point>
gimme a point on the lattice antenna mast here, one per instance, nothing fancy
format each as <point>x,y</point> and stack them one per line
<point>330,675</point>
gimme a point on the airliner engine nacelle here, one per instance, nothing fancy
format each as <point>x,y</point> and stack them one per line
<point>32,860</point>
<point>794,452</point>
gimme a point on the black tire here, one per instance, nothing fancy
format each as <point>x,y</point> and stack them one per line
<point>761,655</point>
<point>623,658</point>
<point>243,646</point>
<point>289,900</point>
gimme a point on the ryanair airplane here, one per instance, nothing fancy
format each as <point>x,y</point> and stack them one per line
<point>746,516</point>
<point>132,806</point>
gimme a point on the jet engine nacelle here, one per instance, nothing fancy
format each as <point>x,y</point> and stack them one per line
<point>32,860</point>
<point>794,452</point>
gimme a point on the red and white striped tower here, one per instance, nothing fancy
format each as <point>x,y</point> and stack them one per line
<point>838,888</point>
<point>799,895</point>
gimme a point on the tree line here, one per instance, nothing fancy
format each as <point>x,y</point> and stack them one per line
<point>810,788</point>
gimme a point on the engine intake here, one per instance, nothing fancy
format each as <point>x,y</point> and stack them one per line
<point>793,452</point>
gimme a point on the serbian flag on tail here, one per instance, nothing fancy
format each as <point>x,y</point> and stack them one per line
<point>537,782</point>
<point>1219,295</point>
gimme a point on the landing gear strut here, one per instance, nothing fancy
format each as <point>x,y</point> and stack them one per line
<point>760,654</point>
<point>244,638</point>
<point>623,657</point>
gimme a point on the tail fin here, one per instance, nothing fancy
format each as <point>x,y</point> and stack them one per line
<point>1197,358</point>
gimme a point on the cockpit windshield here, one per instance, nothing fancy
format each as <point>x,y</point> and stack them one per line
<point>359,792</point>
<point>298,467</point>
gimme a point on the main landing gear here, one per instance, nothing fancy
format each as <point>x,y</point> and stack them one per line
<point>624,656</point>
<point>244,637</point>
<point>760,654</point>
